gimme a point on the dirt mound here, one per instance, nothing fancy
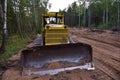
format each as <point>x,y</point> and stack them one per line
<point>54,65</point>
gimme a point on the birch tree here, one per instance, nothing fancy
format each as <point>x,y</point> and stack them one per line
<point>4,26</point>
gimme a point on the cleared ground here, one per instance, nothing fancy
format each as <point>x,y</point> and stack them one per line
<point>106,58</point>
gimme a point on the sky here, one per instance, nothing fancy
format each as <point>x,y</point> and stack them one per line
<point>59,4</point>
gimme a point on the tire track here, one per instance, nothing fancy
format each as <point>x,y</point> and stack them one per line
<point>110,72</point>
<point>97,74</point>
<point>115,40</point>
<point>106,58</point>
<point>110,50</point>
<point>103,57</point>
<point>114,43</point>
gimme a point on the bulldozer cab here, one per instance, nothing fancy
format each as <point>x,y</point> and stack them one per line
<point>54,31</point>
<point>52,18</point>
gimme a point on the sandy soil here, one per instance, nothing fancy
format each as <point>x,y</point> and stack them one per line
<point>106,58</point>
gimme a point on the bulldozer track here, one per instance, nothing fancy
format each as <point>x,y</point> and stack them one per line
<point>103,46</point>
<point>114,43</point>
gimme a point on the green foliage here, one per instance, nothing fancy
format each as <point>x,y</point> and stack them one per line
<point>93,26</point>
<point>25,15</point>
<point>14,44</point>
<point>11,19</point>
<point>102,26</point>
<point>72,9</point>
<point>21,22</point>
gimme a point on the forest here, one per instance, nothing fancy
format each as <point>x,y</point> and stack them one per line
<point>78,42</point>
<point>20,20</point>
<point>94,13</point>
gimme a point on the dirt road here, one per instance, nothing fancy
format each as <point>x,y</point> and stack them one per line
<point>106,58</point>
<point>106,52</point>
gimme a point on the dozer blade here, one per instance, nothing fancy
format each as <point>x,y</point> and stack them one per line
<point>37,60</point>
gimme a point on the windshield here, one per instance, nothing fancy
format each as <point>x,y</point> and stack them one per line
<point>52,20</point>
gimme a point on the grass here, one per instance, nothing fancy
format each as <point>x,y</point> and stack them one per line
<point>14,44</point>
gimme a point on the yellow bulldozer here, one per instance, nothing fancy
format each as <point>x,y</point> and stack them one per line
<point>55,46</point>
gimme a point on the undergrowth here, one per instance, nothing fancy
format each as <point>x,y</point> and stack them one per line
<point>14,44</point>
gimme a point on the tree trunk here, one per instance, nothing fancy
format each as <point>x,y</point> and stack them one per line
<point>4,26</point>
<point>103,16</point>
<point>1,17</point>
<point>89,14</point>
<point>18,19</point>
<point>35,14</point>
<point>79,20</point>
<point>118,25</point>
<point>84,17</point>
<point>107,13</point>
<point>19,26</point>
<point>89,18</point>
